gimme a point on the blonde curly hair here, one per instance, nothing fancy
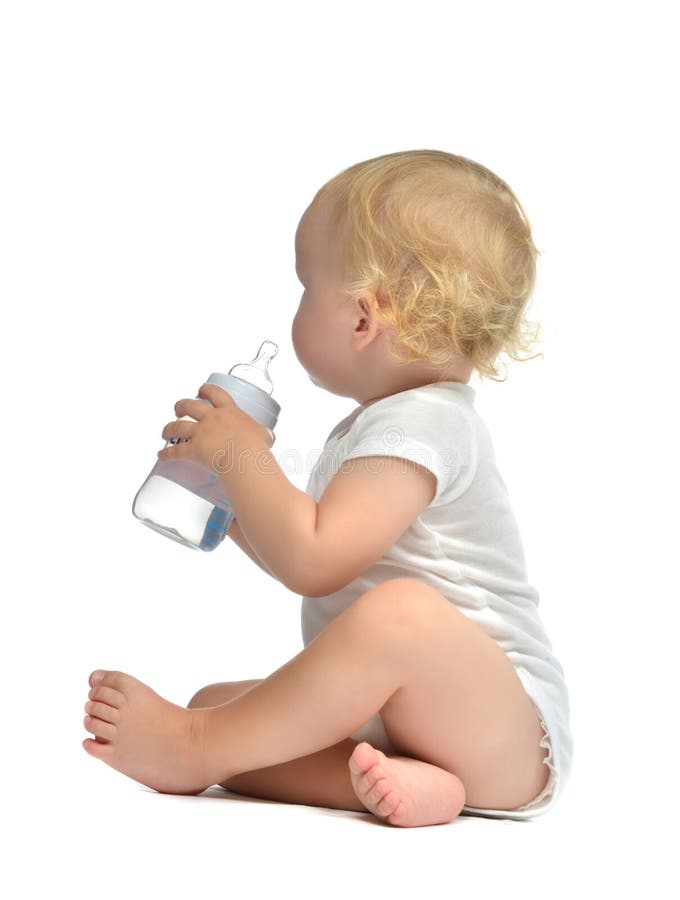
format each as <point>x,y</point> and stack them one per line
<point>446,248</point>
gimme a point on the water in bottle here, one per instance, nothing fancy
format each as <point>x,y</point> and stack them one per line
<point>186,501</point>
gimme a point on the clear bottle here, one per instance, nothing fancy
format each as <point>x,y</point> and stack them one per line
<point>184,500</point>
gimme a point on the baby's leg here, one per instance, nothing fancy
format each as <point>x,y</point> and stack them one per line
<point>447,694</point>
<point>320,779</point>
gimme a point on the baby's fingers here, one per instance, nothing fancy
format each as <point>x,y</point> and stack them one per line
<point>179,429</point>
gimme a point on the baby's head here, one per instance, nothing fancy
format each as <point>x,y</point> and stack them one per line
<point>417,267</point>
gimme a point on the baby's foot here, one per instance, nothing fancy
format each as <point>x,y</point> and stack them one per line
<point>403,791</point>
<point>146,737</point>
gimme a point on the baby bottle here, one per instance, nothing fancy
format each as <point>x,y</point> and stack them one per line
<point>184,500</point>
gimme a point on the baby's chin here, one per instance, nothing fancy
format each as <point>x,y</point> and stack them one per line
<point>338,391</point>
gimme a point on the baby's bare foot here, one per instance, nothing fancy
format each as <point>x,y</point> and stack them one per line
<point>403,791</point>
<point>146,737</point>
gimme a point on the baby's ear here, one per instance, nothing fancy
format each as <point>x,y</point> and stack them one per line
<point>366,305</point>
<point>362,314</point>
<point>367,326</point>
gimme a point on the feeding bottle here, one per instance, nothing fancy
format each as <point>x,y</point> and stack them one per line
<point>186,501</point>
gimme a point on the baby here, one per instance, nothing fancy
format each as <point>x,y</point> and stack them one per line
<point>427,686</point>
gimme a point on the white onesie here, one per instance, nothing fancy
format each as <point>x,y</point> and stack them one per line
<point>470,542</point>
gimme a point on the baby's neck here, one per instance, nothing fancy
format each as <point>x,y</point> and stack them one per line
<point>415,374</point>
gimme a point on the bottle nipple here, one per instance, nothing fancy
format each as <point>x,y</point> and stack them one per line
<point>255,371</point>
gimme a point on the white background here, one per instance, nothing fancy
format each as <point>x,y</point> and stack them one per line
<point>156,159</point>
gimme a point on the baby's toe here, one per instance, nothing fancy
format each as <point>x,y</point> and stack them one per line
<point>376,787</point>
<point>99,728</point>
<point>370,781</point>
<point>363,758</point>
<point>389,803</point>
<point>107,695</point>
<point>96,677</point>
<point>119,681</point>
<point>99,749</point>
<point>102,711</point>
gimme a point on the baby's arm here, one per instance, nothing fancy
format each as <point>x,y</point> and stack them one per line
<point>361,514</point>
<point>239,538</point>
<point>317,548</point>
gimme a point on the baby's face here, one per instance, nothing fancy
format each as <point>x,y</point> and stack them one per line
<point>322,327</point>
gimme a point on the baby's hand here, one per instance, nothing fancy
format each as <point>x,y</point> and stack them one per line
<point>219,433</point>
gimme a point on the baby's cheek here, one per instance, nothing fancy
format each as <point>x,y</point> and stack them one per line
<point>296,332</point>
<point>305,342</point>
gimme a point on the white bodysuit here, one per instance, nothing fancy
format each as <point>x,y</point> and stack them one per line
<point>465,544</point>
